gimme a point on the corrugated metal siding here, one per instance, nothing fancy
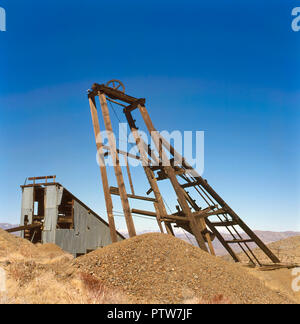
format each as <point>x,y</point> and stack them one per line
<point>27,206</point>
<point>53,195</point>
<point>89,233</point>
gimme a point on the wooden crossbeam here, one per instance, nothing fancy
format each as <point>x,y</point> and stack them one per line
<point>23,228</point>
<point>204,214</point>
<point>115,191</point>
<point>240,241</point>
<point>225,223</point>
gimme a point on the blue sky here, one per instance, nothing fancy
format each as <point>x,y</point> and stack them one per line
<point>229,68</point>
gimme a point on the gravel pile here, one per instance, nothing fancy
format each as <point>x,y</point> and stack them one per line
<point>11,244</point>
<point>159,268</point>
<point>14,247</point>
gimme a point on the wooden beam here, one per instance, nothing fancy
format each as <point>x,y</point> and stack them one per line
<point>202,182</point>
<point>201,223</point>
<point>115,191</point>
<point>42,178</point>
<point>160,206</point>
<point>129,176</point>
<point>171,175</point>
<point>117,168</point>
<point>204,214</point>
<point>111,93</point>
<point>23,228</point>
<point>107,196</point>
<point>143,212</point>
<point>136,157</point>
<point>240,241</point>
<point>134,105</point>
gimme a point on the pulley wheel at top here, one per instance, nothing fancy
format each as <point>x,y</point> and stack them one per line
<point>116,84</point>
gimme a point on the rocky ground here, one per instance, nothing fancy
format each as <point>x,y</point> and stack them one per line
<point>150,268</point>
<point>288,251</point>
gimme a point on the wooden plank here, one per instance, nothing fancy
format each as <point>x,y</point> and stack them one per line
<point>112,93</point>
<point>158,217</point>
<point>160,206</point>
<point>223,204</point>
<point>42,178</point>
<point>107,196</point>
<point>129,176</point>
<point>23,228</point>
<point>169,229</point>
<point>134,105</point>
<point>115,191</point>
<point>143,212</point>
<point>171,174</point>
<point>201,223</point>
<point>117,168</point>
<point>240,241</point>
<point>204,214</point>
<point>136,157</point>
<point>225,223</point>
<point>222,241</point>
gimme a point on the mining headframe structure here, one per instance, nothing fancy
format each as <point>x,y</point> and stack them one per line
<point>202,217</point>
<point>52,214</point>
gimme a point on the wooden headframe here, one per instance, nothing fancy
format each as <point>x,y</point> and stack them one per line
<point>190,215</point>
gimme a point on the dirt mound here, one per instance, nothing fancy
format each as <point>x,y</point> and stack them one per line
<point>158,268</point>
<point>16,248</point>
<point>288,251</point>
<point>11,245</point>
<point>50,250</point>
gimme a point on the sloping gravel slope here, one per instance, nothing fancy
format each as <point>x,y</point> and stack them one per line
<point>159,268</point>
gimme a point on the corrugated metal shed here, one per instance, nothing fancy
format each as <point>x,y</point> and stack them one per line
<point>67,222</point>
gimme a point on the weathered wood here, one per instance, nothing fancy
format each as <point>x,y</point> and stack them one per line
<point>134,105</point>
<point>158,217</point>
<point>149,173</point>
<point>115,191</point>
<point>169,229</point>
<point>212,192</point>
<point>111,93</point>
<point>107,196</point>
<point>129,175</point>
<point>201,222</point>
<point>136,157</point>
<point>204,214</point>
<point>23,228</point>
<point>240,241</point>
<point>42,178</point>
<point>224,224</point>
<point>171,175</point>
<point>143,212</point>
<point>117,168</point>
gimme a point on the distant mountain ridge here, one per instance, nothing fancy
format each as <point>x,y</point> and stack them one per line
<point>266,236</point>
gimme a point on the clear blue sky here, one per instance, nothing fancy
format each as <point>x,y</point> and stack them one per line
<point>230,68</point>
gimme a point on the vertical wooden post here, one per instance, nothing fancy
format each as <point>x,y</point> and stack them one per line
<point>129,174</point>
<point>158,217</point>
<point>159,207</point>
<point>171,175</point>
<point>201,223</point>
<point>107,195</point>
<point>117,168</point>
